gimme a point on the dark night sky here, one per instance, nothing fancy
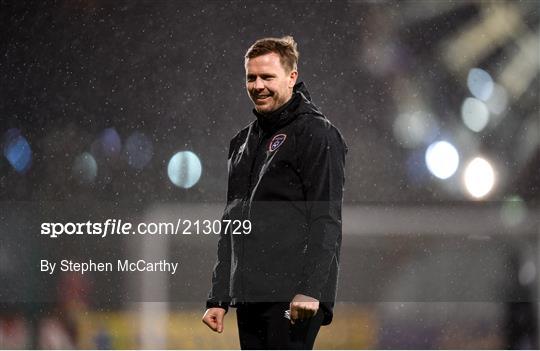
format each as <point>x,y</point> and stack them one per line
<point>174,71</point>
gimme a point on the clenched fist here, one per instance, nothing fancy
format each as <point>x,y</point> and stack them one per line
<point>303,307</point>
<point>213,318</point>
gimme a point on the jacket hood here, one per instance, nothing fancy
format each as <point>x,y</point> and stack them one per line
<point>301,88</point>
<point>307,106</point>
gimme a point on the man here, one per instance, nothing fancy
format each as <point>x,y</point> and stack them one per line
<point>286,175</point>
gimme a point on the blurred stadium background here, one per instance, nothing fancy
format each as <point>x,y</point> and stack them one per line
<point>113,110</point>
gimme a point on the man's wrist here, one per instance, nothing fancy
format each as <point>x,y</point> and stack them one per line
<point>310,291</point>
<point>218,304</point>
<point>306,297</point>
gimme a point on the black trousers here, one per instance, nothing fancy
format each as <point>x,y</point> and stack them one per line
<point>264,326</point>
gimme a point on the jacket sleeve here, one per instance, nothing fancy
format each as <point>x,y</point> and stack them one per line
<point>219,293</point>
<point>322,167</point>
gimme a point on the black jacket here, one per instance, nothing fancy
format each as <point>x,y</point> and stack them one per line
<point>286,175</point>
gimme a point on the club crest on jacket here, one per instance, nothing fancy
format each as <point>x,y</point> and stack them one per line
<point>276,142</point>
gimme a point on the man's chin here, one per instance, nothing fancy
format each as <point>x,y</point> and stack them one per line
<point>263,108</point>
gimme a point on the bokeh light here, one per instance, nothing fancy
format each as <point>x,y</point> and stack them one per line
<point>85,168</point>
<point>107,147</point>
<point>139,150</point>
<point>17,150</point>
<point>479,178</point>
<point>414,129</point>
<point>474,114</point>
<point>480,83</point>
<point>184,169</point>
<point>513,211</point>
<point>442,159</point>
<point>498,101</point>
<point>110,142</point>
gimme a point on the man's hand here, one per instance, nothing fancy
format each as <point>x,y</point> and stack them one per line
<point>303,307</point>
<point>213,318</point>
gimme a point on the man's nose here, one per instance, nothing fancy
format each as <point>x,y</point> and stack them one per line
<point>259,84</point>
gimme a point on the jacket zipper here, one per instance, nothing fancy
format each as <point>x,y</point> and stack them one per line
<point>244,203</point>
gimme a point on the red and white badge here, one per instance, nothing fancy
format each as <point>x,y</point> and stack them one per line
<point>276,142</point>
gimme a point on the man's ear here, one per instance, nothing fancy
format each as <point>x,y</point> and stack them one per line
<point>292,78</point>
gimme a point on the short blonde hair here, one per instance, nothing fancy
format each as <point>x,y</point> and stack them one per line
<point>285,47</point>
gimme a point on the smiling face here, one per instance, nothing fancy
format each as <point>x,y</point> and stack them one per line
<point>268,83</point>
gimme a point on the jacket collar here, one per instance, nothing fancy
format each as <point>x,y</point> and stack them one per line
<point>270,122</point>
